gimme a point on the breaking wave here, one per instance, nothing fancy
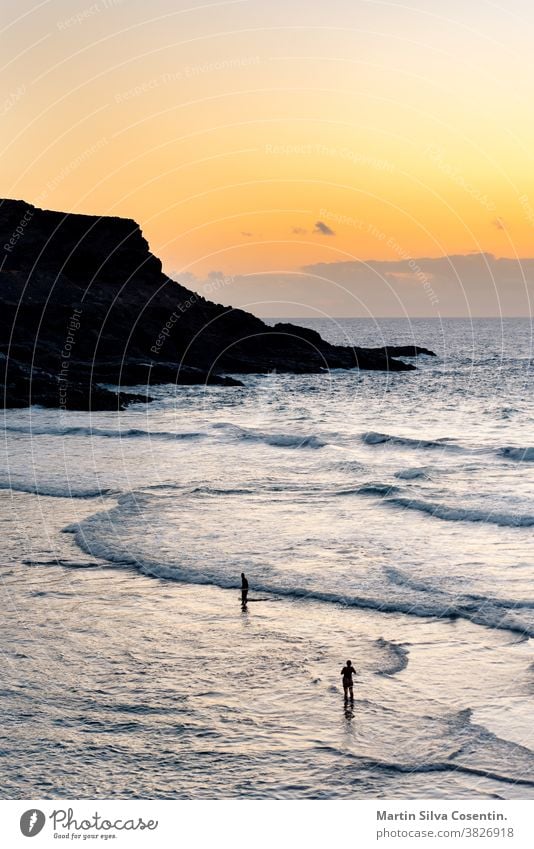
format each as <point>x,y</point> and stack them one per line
<point>463,514</point>
<point>111,433</point>
<point>60,490</point>
<point>510,452</point>
<point>277,440</point>
<point>520,455</point>
<point>375,438</point>
<point>423,604</point>
<point>412,474</point>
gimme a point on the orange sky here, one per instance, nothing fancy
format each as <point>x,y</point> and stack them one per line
<point>229,129</point>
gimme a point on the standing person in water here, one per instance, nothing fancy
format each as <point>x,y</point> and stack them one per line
<point>347,672</point>
<point>244,590</point>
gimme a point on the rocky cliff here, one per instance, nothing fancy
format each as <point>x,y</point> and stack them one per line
<point>84,302</point>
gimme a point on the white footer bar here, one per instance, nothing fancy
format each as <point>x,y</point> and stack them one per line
<point>267,824</point>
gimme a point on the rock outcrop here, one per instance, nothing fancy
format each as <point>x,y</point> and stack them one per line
<point>85,303</point>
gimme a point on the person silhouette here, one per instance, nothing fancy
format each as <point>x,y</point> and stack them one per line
<point>347,672</point>
<point>244,590</point>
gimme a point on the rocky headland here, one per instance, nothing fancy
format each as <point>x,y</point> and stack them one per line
<point>85,303</point>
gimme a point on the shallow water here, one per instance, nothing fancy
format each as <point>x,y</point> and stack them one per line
<point>383,518</point>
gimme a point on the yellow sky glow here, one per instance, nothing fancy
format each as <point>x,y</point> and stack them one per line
<point>228,130</point>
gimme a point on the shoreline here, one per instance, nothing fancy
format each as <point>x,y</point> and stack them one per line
<point>172,619</point>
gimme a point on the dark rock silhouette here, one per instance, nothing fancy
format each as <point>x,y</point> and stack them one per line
<point>85,303</point>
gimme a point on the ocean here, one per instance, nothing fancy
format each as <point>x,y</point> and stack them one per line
<point>385,518</point>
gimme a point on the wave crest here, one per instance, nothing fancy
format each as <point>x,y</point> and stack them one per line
<point>520,455</point>
<point>373,437</point>
<point>463,514</point>
<point>127,433</point>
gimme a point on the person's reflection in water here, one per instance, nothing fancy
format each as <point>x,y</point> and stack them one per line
<point>244,591</point>
<point>349,711</point>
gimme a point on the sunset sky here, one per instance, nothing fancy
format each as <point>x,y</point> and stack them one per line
<point>346,158</point>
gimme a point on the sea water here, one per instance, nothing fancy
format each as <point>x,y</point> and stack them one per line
<point>385,518</point>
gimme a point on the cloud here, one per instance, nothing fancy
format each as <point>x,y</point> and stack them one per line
<point>458,285</point>
<point>323,229</point>
<point>461,285</point>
